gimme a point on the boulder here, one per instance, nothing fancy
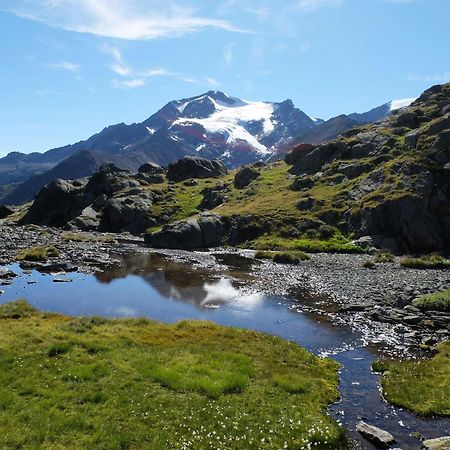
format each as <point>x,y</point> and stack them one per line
<point>353,170</point>
<point>377,436</point>
<point>195,167</point>
<point>301,183</point>
<point>128,213</point>
<point>296,154</point>
<point>246,227</point>
<point>406,119</point>
<point>442,443</point>
<point>404,219</point>
<point>6,274</point>
<point>213,197</point>
<point>108,180</point>
<point>412,138</point>
<point>56,204</point>
<point>312,162</point>
<point>151,168</point>
<point>305,204</point>
<point>441,148</point>
<point>244,177</point>
<point>204,232</point>
<point>149,178</point>
<point>5,211</point>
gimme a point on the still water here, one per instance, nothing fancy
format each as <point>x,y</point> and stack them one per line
<point>152,285</point>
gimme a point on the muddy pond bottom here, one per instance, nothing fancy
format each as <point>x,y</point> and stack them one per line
<point>152,285</point>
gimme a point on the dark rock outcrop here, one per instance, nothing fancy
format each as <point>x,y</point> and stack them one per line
<point>5,211</point>
<point>204,232</point>
<point>151,168</point>
<point>195,167</point>
<point>213,197</point>
<point>296,154</point>
<point>244,177</point>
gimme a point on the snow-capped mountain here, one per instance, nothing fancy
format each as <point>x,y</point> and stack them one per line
<point>214,125</point>
<point>211,125</point>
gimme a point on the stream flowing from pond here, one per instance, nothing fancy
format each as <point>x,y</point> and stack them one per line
<point>155,286</point>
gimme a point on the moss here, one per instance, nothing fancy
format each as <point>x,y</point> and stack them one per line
<point>88,237</point>
<point>426,262</point>
<point>37,254</point>
<point>438,301</point>
<point>422,386</point>
<point>155,386</point>
<point>287,257</point>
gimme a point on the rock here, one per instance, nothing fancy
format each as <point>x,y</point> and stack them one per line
<point>151,168</point>
<point>6,274</point>
<point>62,280</point>
<point>353,170</point>
<point>213,197</point>
<point>296,154</point>
<point>406,119</point>
<point>195,167</point>
<point>56,204</point>
<point>441,148</point>
<point>442,443</point>
<point>412,138</point>
<point>313,161</point>
<point>301,183</point>
<point>128,213</point>
<point>204,232</point>
<point>191,182</point>
<point>244,177</point>
<point>149,178</point>
<point>305,204</point>
<point>246,227</point>
<point>57,268</point>
<point>375,435</point>
<point>5,211</point>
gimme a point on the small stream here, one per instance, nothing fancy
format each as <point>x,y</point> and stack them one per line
<point>155,286</point>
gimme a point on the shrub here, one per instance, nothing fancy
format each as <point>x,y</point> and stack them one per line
<point>369,264</point>
<point>288,257</point>
<point>383,257</point>
<point>58,349</point>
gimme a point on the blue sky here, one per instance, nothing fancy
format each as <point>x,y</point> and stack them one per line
<point>71,67</point>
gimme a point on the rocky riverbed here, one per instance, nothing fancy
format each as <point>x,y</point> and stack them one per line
<point>376,301</point>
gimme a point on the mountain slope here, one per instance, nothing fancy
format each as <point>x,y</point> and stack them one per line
<point>212,125</point>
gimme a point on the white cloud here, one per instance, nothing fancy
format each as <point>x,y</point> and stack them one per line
<point>128,84</point>
<point>65,65</point>
<point>137,78</point>
<point>120,19</point>
<point>311,5</point>
<point>228,55</point>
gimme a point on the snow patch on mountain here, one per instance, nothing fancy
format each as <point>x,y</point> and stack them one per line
<point>402,103</point>
<point>230,118</point>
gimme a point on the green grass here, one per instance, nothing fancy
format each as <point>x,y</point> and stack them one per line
<point>421,386</point>
<point>383,257</point>
<point>337,244</point>
<point>72,236</point>
<point>288,257</point>
<point>426,262</point>
<point>112,384</point>
<point>37,254</point>
<point>438,301</point>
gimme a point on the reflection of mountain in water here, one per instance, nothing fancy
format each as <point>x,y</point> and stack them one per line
<point>176,280</point>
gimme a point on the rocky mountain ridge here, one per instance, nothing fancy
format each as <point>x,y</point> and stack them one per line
<point>212,125</point>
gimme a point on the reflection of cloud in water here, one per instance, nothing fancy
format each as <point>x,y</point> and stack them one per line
<point>123,311</point>
<point>224,292</point>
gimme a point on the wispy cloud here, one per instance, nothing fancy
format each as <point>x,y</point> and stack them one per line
<point>128,84</point>
<point>443,77</point>
<point>65,65</point>
<point>311,5</point>
<point>120,19</point>
<point>228,54</point>
<point>134,78</point>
